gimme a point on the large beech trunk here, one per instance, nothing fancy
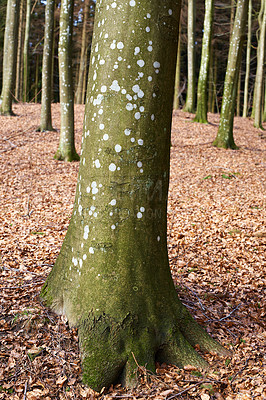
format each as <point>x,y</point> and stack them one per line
<point>112,278</point>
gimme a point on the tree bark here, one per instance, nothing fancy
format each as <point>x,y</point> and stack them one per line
<point>66,150</point>
<point>191,87</point>
<point>19,53</point>
<point>10,56</point>
<point>224,136</point>
<point>257,101</point>
<point>202,96</point>
<point>112,278</point>
<point>26,52</point>
<point>245,106</point>
<point>177,72</point>
<point>47,76</point>
<point>83,53</point>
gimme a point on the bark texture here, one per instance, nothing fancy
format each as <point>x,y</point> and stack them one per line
<point>202,98</point>
<point>112,276</point>
<point>10,56</point>
<point>225,136</point>
<point>245,106</point>
<point>258,91</point>
<point>191,84</point>
<point>46,115</point>
<point>26,52</point>
<point>66,150</point>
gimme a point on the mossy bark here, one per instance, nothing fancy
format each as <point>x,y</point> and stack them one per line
<point>112,278</point>
<point>10,56</point>
<point>202,98</point>
<point>66,150</point>
<point>46,114</point>
<point>191,84</point>
<point>225,138</point>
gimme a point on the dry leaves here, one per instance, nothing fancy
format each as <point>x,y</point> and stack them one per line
<point>216,240</point>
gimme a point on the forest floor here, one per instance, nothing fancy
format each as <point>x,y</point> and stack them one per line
<point>216,238</point>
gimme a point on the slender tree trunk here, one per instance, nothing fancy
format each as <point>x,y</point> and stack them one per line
<point>112,278</point>
<point>47,73</point>
<point>257,100</point>
<point>190,99</point>
<point>264,112</point>
<point>26,52</point>
<point>36,78</point>
<point>66,150</point>
<point>245,106</point>
<point>224,136</point>
<point>19,55</point>
<point>85,76</point>
<point>83,60</point>
<point>10,56</point>
<point>238,99</point>
<point>177,72</point>
<point>232,15</point>
<point>202,98</point>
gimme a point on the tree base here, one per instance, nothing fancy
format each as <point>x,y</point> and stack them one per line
<point>68,156</point>
<point>201,120</point>
<point>48,128</point>
<point>225,144</point>
<point>7,113</point>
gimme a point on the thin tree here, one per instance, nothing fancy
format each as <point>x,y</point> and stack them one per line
<point>10,56</point>
<point>26,52</point>
<point>112,278</point>
<point>47,60</point>
<point>258,91</point>
<point>66,150</point>
<point>83,55</point>
<point>245,106</point>
<point>177,72</point>
<point>191,84</point>
<point>202,95</point>
<point>225,136</point>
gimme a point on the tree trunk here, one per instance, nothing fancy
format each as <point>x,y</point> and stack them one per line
<point>83,59</point>
<point>264,112</point>
<point>202,99</point>
<point>19,55</point>
<point>36,78</point>
<point>190,99</point>
<point>26,52</point>
<point>238,99</point>
<point>66,150</point>
<point>10,56</point>
<point>112,278</point>
<point>224,136</point>
<point>177,72</point>
<point>245,106</point>
<point>47,76</point>
<point>257,101</point>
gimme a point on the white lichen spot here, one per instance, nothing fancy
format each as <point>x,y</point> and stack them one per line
<point>75,261</point>
<point>95,190</point>
<point>137,115</point>
<point>112,167</point>
<point>170,12</point>
<point>91,250</point>
<point>140,142</point>
<point>129,106</point>
<point>86,232</point>
<point>142,209</point>
<point>120,45</point>
<point>156,64</point>
<point>113,226</point>
<point>141,109</point>
<point>127,132</point>
<point>136,51</point>
<point>115,86</point>
<point>103,89</point>
<point>139,164</point>
<point>139,215</point>
<point>148,29</point>
<point>84,256</point>
<point>149,78</point>
<point>132,3</point>
<point>113,202</point>
<point>132,140</point>
<point>101,126</point>
<point>97,163</point>
<point>158,238</point>
<point>141,63</point>
<point>105,136</point>
<point>152,117</point>
<point>118,148</point>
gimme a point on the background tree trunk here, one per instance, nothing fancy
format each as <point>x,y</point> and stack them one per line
<point>191,84</point>
<point>26,52</point>
<point>202,97</point>
<point>245,106</point>
<point>224,136</point>
<point>19,53</point>
<point>10,56</point>
<point>47,76</point>
<point>177,72</point>
<point>112,277</point>
<point>83,58</point>
<point>257,100</point>
<point>66,150</point>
